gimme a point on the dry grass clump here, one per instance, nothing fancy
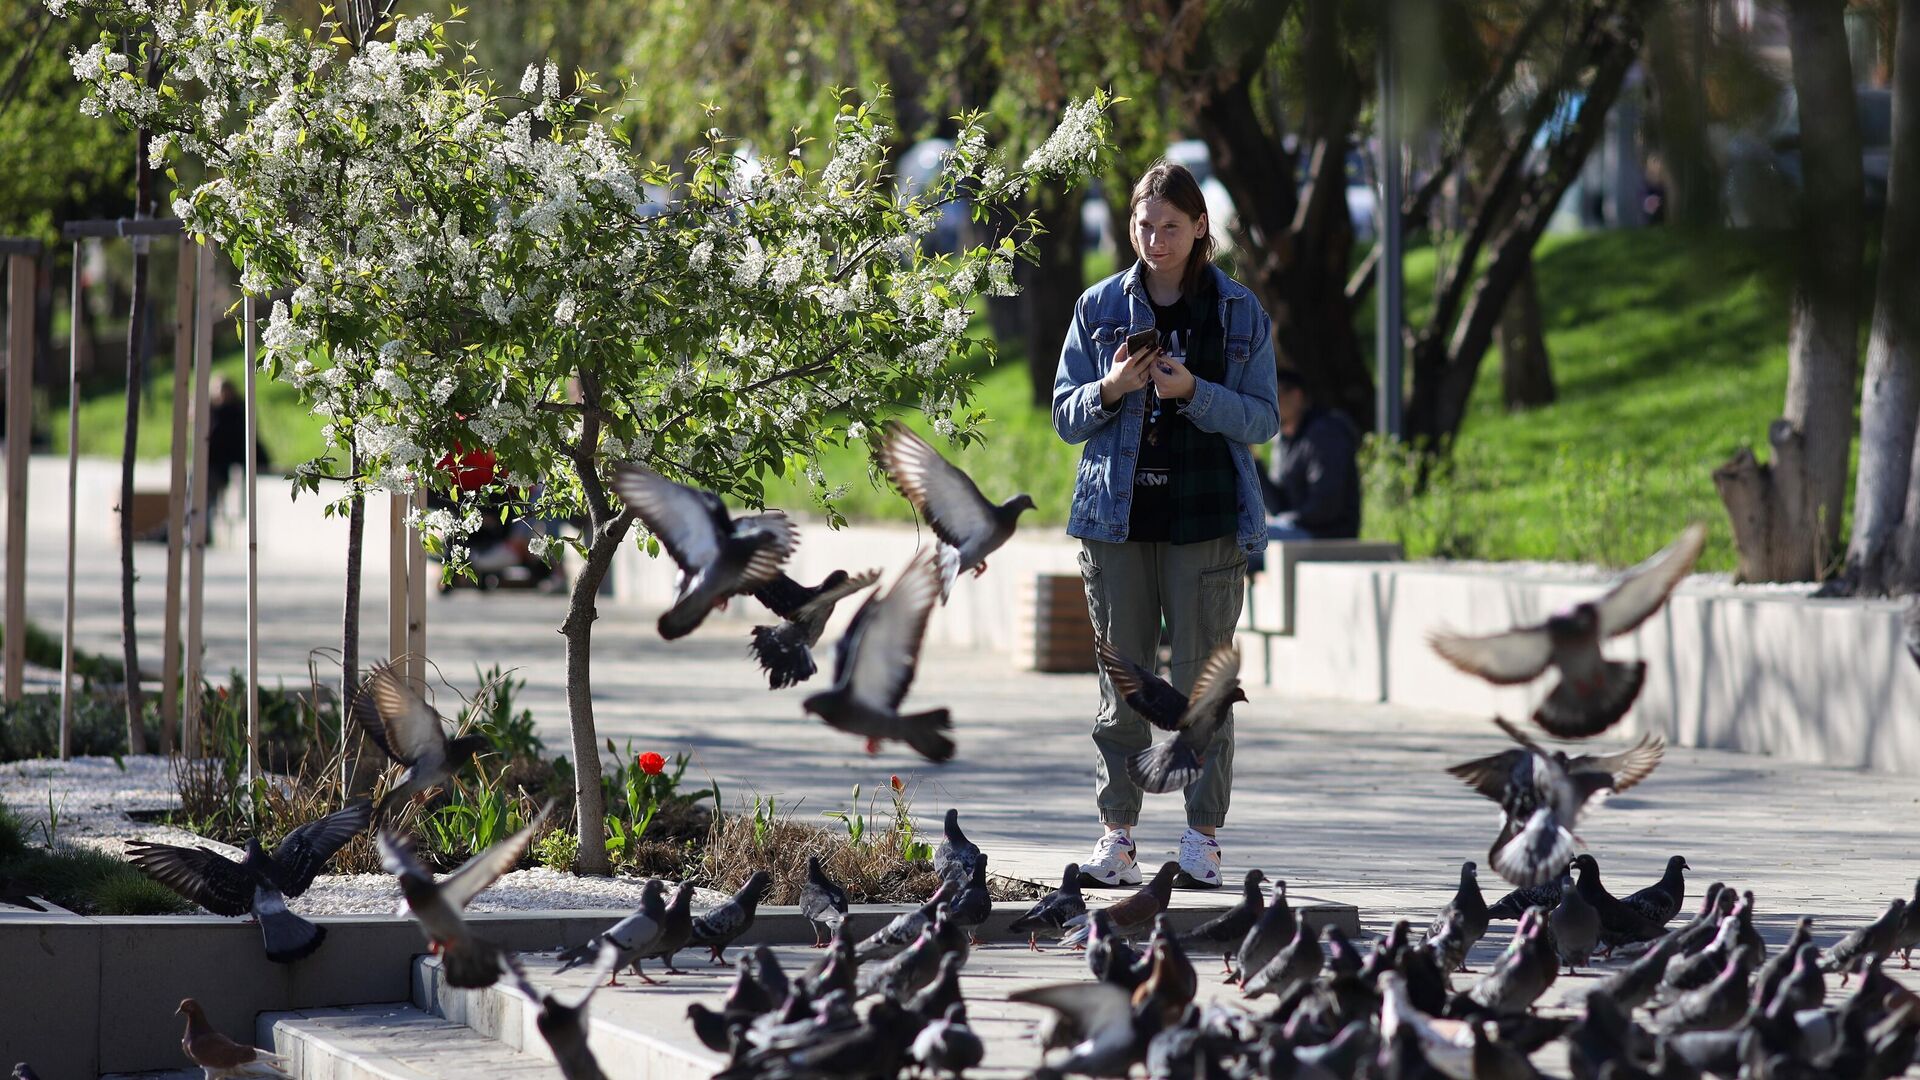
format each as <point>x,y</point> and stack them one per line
<point>872,872</point>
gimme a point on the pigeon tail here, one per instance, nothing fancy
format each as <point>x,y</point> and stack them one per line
<point>922,731</point>
<point>684,617</point>
<point>579,954</point>
<point>287,936</point>
<point>473,964</point>
<point>1578,710</point>
<point>783,654</point>
<point>1538,851</point>
<point>1166,767</point>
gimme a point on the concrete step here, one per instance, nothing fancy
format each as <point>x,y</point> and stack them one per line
<point>389,1042</point>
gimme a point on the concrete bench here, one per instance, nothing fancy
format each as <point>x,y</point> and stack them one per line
<point>1268,612</point>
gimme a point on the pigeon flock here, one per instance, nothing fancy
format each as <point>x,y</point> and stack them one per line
<point>1703,998</point>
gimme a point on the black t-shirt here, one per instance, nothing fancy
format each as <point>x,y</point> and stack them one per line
<point>1151,519</point>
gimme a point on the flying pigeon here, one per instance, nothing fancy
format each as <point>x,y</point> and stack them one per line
<point>719,555</point>
<point>1543,794</point>
<point>875,663</point>
<point>948,498</point>
<point>1144,692</point>
<point>628,936</point>
<point>1174,763</point>
<point>1103,1014</point>
<point>409,731</point>
<point>718,928</point>
<point>1051,912</point>
<point>1593,691</point>
<point>565,1026</point>
<point>222,1057</point>
<point>953,859</point>
<point>823,902</point>
<point>259,884</point>
<point>471,962</point>
<point>785,651</point>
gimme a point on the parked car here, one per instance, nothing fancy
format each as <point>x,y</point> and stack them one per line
<point>1762,171</point>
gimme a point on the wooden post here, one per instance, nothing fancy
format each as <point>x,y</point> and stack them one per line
<point>192,737</point>
<point>186,268</point>
<point>397,591</point>
<point>417,599</point>
<point>253,554</point>
<point>73,483</point>
<point>21,279</point>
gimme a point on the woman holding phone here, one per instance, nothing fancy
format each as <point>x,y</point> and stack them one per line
<point>1167,376</point>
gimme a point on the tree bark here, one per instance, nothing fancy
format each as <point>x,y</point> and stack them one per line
<point>136,375</point>
<point>1677,58</point>
<point>1526,373</point>
<point>1883,554</point>
<point>1050,288</point>
<point>1771,510</point>
<point>351,781</point>
<point>589,801</point>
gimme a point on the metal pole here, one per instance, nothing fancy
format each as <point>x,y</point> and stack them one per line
<point>185,271</point>
<point>253,558</point>
<point>205,308</point>
<point>1389,316</point>
<point>22,275</point>
<point>73,485</point>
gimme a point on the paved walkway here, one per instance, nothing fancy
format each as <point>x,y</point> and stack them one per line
<point>1345,802</point>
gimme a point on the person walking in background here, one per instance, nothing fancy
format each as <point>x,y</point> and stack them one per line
<point>227,439</point>
<point>1166,376</point>
<point>1313,490</point>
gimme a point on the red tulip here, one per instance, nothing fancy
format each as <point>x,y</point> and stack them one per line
<point>651,763</point>
<point>894,782</point>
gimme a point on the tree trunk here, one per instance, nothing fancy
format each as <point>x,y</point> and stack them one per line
<point>136,376</point>
<point>1050,288</point>
<point>1883,555</point>
<point>1677,59</point>
<point>589,801</point>
<point>1526,375</point>
<point>351,780</point>
<point>1771,510</point>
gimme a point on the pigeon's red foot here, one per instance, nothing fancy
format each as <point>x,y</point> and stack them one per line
<point>981,569</point>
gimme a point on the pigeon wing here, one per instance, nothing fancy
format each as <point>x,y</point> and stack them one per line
<point>823,602</point>
<point>306,849</point>
<point>945,496</point>
<point>888,647</point>
<point>1215,683</point>
<point>690,523</point>
<point>410,728</point>
<point>1642,590</point>
<point>1514,656</point>
<point>782,595</point>
<point>1096,1008</point>
<point>1148,694</point>
<point>397,857</point>
<point>1627,767</point>
<point>205,877</point>
<point>774,538</point>
<point>1489,775</point>
<point>485,868</point>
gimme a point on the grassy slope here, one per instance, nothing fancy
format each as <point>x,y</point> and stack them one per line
<point>1669,352</point>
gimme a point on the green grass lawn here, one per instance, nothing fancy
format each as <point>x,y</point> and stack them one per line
<point>1668,350</point>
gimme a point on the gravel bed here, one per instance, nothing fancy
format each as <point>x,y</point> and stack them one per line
<point>92,795</point>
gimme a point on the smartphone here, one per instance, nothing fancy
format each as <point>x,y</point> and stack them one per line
<point>1142,341</point>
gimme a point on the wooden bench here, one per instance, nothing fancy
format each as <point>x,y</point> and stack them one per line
<point>1270,593</point>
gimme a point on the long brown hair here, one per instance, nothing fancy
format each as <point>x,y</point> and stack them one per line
<point>1172,182</point>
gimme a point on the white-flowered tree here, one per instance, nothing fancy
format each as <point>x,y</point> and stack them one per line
<point>471,265</point>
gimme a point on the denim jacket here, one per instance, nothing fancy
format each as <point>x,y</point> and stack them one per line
<point>1244,410</point>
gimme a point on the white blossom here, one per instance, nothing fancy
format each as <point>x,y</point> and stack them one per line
<point>1073,143</point>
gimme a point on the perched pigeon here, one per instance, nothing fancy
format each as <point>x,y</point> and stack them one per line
<point>875,663</point>
<point>718,928</point>
<point>1225,931</point>
<point>1620,922</point>
<point>1576,926</point>
<point>973,905</point>
<point>785,651</point>
<point>1719,1004</point>
<point>1523,972</point>
<point>719,555</point>
<point>1542,795</point>
<point>629,937</point>
<point>1692,971</point>
<point>260,883</point>
<point>409,731</point>
<point>1136,912</point>
<point>1146,693</point>
<point>565,1026</point>
<point>947,1045</point>
<point>1471,906</point>
<point>676,930</point>
<point>823,902</point>
<point>834,970</point>
<point>1875,938</point>
<point>471,962</point>
<point>1174,763</point>
<point>912,968</point>
<point>1631,986</point>
<point>1103,1015</point>
<point>948,499</point>
<point>1593,691</point>
<point>1171,982</point>
<point>934,999</point>
<point>1662,900</point>
<point>904,929</point>
<point>1907,937</point>
<point>1300,961</point>
<point>1775,971</point>
<point>1109,957</point>
<point>1515,903</point>
<point>222,1057</point>
<point>1269,934</point>
<point>953,859</point>
<point>1051,912</point>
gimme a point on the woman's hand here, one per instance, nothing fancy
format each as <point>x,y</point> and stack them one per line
<point>1128,373</point>
<point>1172,381</point>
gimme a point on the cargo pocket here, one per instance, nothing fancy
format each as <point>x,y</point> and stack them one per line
<point>1096,593</point>
<point>1222,590</point>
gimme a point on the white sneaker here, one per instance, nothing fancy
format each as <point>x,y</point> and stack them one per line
<point>1112,862</point>
<point>1199,862</point>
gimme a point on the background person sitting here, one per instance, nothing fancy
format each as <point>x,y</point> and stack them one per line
<point>1312,491</point>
